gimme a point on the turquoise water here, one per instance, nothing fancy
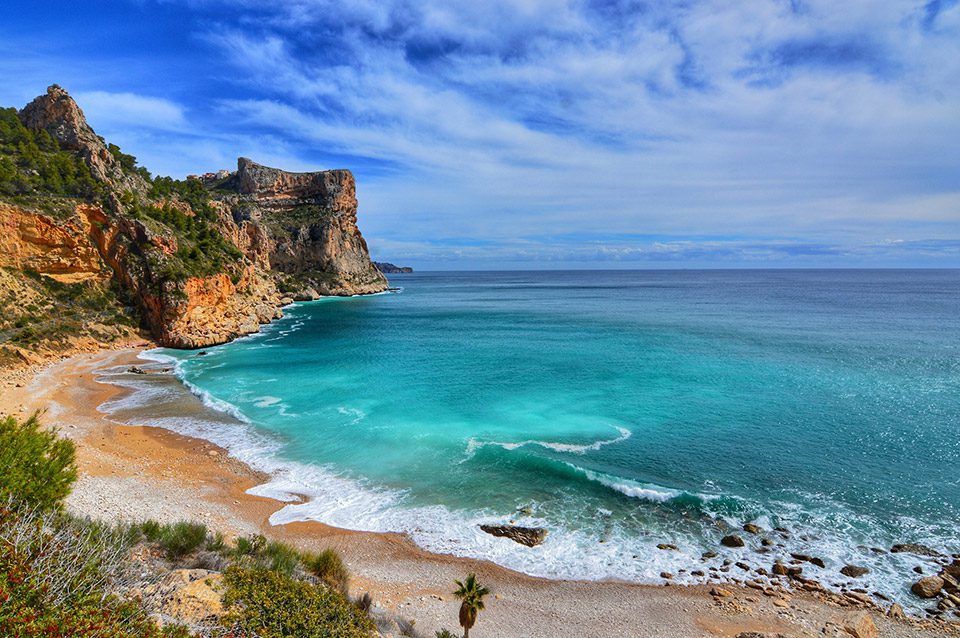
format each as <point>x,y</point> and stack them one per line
<point>618,409</point>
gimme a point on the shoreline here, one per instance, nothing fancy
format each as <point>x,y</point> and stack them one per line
<point>140,471</point>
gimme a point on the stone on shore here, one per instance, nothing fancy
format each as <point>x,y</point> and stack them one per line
<point>529,536</point>
<point>928,587</point>
<point>860,625</point>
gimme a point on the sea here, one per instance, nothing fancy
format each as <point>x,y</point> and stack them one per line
<point>620,410</point>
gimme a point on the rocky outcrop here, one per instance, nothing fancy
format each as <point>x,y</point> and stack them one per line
<point>297,232</point>
<point>58,114</point>
<point>311,228</point>
<point>529,536</point>
<point>59,248</point>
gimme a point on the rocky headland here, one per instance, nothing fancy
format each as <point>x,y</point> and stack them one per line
<point>194,263</point>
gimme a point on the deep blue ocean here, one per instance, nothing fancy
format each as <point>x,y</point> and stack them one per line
<point>619,409</point>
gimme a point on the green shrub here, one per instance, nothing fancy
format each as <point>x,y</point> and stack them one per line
<point>250,545</point>
<point>182,538</point>
<point>329,567</point>
<point>269,604</point>
<point>445,633</point>
<point>280,557</point>
<point>151,530</point>
<point>37,466</point>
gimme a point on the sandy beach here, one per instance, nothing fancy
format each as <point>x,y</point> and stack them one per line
<point>133,472</point>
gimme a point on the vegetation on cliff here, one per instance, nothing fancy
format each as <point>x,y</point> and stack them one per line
<point>32,164</point>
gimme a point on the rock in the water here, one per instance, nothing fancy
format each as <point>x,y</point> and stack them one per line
<point>914,548</point>
<point>860,625</point>
<point>135,370</point>
<point>666,575</point>
<point>668,546</point>
<point>854,571</point>
<point>927,587</point>
<point>529,536</point>
<point>784,570</point>
<point>732,540</point>
<point>752,529</point>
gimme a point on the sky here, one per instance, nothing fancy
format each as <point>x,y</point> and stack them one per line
<point>545,134</point>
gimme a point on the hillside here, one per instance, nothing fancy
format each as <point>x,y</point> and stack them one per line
<point>94,246</point>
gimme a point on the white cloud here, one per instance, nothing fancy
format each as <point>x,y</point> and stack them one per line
<point>107,110</point>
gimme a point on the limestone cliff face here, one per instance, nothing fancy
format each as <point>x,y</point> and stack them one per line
<point>59,248</point>
<point>311,228</point>
<point>297,232</point>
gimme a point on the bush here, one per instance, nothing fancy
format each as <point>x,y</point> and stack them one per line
<point>280,557</point>
<point>182,538</point>
<point>268,604</point>
<point>56,575</point>
<point>37,466</point>
<point>329,567</point>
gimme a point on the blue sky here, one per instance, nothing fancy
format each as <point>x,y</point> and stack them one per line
<point>535,134</point>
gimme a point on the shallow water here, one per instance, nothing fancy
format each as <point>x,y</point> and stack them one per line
<point>618,409</point>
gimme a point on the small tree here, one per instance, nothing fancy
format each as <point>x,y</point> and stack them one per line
<point>471,593</point>
<point>37,465</point>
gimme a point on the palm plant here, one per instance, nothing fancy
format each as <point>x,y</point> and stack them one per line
<point>471,593</point>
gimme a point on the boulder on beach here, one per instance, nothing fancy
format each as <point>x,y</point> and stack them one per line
<point>529,536</point>
<point>860,625</point>
<point>928,587</point>
<point>732,540</point>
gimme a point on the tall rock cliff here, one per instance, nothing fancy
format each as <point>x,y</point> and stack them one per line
<point>203,265</point>
<point>311,222</point>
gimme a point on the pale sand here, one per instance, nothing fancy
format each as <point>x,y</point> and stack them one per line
<point>134,472</point>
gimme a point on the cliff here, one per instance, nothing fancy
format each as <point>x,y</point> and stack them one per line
<point>200,263</point>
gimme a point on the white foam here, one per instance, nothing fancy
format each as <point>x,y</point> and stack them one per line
<point>473,445</point>
<point>357,414</point>
<point>266,401</point>
<point>633,489</point>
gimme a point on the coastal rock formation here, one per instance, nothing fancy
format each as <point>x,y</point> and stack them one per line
<point>204,261</point>
<point>928,587</point>
<point>58,114</point>
<point>529,536</point>
<point>311,228</point>
<point>60,248</point>
<point>388,268</point>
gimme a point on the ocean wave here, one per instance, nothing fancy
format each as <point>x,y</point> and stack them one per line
<point>574,448</point>
<point>633,489</point>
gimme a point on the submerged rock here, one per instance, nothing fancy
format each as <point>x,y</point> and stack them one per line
<point>529,536</point>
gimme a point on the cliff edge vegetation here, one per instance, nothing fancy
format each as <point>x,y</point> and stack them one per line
<point>94,248</point>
